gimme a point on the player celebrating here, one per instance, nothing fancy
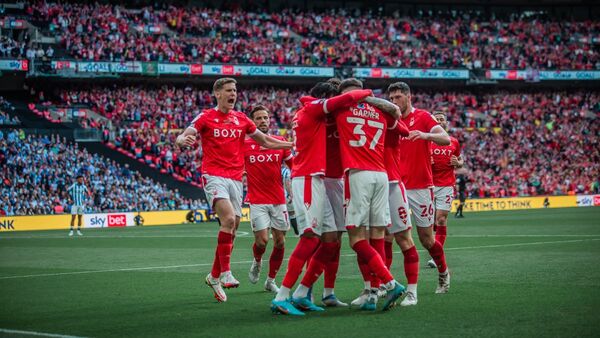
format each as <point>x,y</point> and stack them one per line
<point>444,160</point>
<point>415,168</point>
<point>362,129</point>
<point>309,127</point>
<point>223,131</point>
<point>266,198</point>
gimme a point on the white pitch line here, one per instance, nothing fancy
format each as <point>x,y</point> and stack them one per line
<point>247,262</point>
<point>35,333</point>
<point>239,234</point>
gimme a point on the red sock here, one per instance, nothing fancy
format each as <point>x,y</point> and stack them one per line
<point>379,246</point>
<point>275,261</point>
<point>440,234</point>
<point>411,265</point>
<point>368,254</point>
<point>302,253</point>
<point>258,252</point>
<point>331,268</point>
<point>224,247</point>
<point>437,253</point>
<point>320,258</point>
<point>389,254</point>
<point>216,268</point>
<point>363,266</point>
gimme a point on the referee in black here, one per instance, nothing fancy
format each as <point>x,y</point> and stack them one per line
<point>79,194</point>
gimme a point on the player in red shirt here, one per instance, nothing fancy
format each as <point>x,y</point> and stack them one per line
<point>444,160</point>
<point>415,169</point>
<point>266,198</point>
<point>309,196</point>
<point>223,131</point>
<point>362,128</point>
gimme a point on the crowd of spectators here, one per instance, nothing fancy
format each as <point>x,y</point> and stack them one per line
<point>514,143</point>
<point>5,117</point>
<point>41,188</point>
<point>423,40</point>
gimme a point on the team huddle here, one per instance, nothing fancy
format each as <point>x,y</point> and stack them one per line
<point>360,165</point>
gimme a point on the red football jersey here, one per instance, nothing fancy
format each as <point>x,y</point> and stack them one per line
<point>309,127</point>
<point>222,136</point>
<point>334,167</point>
<point>415,156</point>
<point>362,130</point>
<point>263,172</point>
<point>391,155</point>
<point>443,171</point>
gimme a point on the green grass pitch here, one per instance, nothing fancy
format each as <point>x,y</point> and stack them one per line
<point>516,274</point>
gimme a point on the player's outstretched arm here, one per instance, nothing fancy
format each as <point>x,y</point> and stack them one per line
<point>437,135</point>
<point>270,142</point>
<point>345,100</point>
<point>384,105</point>
<point>187,138</point>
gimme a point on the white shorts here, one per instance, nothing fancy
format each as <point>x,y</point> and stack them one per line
<point>399,209</point>
<point>421,205</point>
<point>265,216</point>
<point>309,203</point>
<point>216,187</point>
<point>334,188</point>
<point>366,196</point>
<point>443,198</point>
<point>77,210</point>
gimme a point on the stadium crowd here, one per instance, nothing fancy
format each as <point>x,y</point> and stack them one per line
<point>41,189</point>
<point>423,40</point>
<point>5,118</point>
<point>548,125</point>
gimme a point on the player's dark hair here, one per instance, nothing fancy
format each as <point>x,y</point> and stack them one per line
<point>401,86</point>
<point>351,82</point>
<point>220,83</point>
<point>440,113</point>
<point>335,81</point>
<point>258,108</point>
<point>323,90</point>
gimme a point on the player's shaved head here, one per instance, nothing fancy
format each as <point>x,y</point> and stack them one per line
<point>351,83</point>
<point>323,90</point>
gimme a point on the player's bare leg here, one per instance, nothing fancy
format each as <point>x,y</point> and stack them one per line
<point>72,224</point>
<point>261,238</point>
<point>411,265</point>
<point>436,251</point>
<point>79,222</point>
<point>441,219</point>
<point>275,259</point>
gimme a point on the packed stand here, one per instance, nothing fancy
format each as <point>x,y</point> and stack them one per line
<point>525,144</point>
<point>41,189</point>
<point>148,119</point>
<point>424,40</point>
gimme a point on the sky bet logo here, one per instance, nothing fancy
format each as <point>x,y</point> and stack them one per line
<point>7,225</point>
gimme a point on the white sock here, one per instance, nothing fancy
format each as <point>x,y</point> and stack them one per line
<point>368,285</point>
<point>283,294</point>
<point>412,288</point>
<point>390,285</point>
<point>269,279</point>
<point>327,292</point>
<point>301,292</point>
<point>445,272</point>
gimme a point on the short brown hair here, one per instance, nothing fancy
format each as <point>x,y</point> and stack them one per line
<point>258,108</point>
<point>351,82</point>
<point>334,81</point>
<point>220,83</point>
<point>439,112</point>
<point>401,86</point>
